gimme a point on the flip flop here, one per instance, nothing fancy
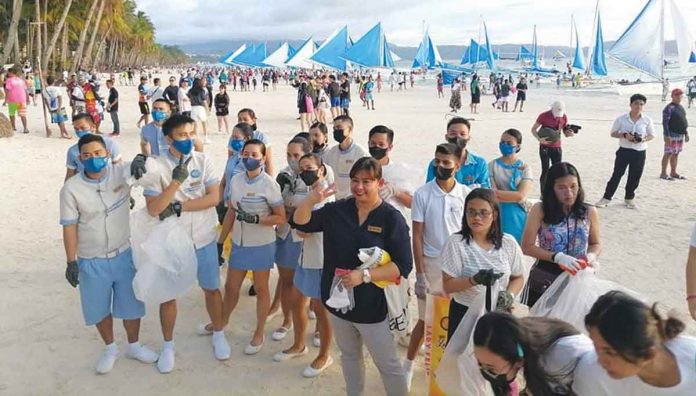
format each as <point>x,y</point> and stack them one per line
<point>664,177</point>
<point>678,177</point>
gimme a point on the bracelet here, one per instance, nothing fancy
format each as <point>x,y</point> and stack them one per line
<point>690,297</point>
<point>471,280</point>
<point>553,257</point>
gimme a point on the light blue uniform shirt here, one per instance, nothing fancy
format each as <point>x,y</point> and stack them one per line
<point>152,134</point>
<point>473,171</point>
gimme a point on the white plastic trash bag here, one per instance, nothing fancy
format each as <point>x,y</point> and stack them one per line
<point>397,308</point>
<point>164,257</point>
<point>151,175</point>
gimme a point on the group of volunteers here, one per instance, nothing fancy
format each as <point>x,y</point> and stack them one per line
<point>335,223</point>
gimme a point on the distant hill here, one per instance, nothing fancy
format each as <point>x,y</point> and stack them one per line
<point>217,49</point>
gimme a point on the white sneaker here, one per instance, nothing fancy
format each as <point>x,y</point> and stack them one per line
<point>165,363</point>
<point>282,356</point>
<point>106,362</point>
<point>316,341</point>
<point>202,329</point>
<point>630,204</point>
<point>221,347</point>
<point>142,354</point>
<point>311,372</point>
<point>602,203</point>
<point>281,333</point>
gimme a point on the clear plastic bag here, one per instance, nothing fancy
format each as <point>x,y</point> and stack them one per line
<point>164,258</point>
<point>341,298</point>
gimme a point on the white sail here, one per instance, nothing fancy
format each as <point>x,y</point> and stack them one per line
<point>685,42</point>
<point>302,57</point>
<point>278,57</point>
<point>642,44</point>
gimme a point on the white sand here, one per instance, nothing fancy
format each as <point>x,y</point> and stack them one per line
<point>46,349</point>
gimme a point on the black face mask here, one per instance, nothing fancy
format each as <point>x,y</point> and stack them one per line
<point>318,148</point>
<point>499,383</point>
<point>377,152</point>
<point>459,141</point>
<point>443,173</point>
<point>253,126</point>
<point>338,135</point>
<point>309,177</point>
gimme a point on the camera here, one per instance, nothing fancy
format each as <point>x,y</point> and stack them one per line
<point>637,137</point>
<point>574,128</point>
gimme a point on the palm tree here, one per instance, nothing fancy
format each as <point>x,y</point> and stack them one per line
<point>12,32</point>
<point>57,29</point>
<point>83,36</point>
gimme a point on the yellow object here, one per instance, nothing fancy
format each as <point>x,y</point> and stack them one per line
<point>227,248</point>
<point>376,257</point>
<point>436,322</point>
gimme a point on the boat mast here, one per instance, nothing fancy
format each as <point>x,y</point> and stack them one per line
<point>588,70</point>
<point>662,37</point>
<point>478,49</point>
<point>572,23</point>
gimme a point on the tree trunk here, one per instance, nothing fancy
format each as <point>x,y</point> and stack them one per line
<point>12,32</point>
<point>38,35</point>
<point>45,26</point>
<point>98,56</point>
<point>88,53</point>
<point>64,48</point>
<point>83,37</point>
<point>17,49</point>
<point>56,33</point>
<point>30,41</point>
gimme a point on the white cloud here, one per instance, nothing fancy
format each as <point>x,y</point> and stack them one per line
<point>450,21</point>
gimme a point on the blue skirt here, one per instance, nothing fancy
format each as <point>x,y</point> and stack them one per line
<point>513,217</point>
<point>308,282</point>
<point>287,254</point>
<point>252,258</point>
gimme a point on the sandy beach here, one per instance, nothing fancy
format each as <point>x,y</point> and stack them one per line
<point>47,350</point>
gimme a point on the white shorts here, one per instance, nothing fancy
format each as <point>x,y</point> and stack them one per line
<point>433,273</point>
<point>199,114</point>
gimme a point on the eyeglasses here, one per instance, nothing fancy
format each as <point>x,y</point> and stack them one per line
<point>486,370</point>
<point>483,213</point>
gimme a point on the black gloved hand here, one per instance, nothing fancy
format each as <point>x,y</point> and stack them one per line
<point>132,202</point>
<point>173,208</point>
<point>284,179</point>
<point>486,277</point>
<point>180,173</point>
<point>221,248</point>
<point>71,273</point>
<point>246,217</point>
<point>505,301</point>
<point>137,167</point>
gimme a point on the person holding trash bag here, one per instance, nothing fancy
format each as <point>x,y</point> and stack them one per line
<point>567,230</point>
<point>360,221</point>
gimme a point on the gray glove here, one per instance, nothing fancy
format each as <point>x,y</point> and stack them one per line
<point>71,273</point>
<point>421,286</point>
<point>137,167</point>
<point>486,277</point>
<point>180,173</point>
<point>246,217</point>
<point>284,179</point>
<point>505,301</point>
<point>173,208</point>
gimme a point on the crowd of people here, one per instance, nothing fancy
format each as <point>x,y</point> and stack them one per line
<point>461,233</point>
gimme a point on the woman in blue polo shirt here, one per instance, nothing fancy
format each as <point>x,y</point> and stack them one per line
<point>256,200</point>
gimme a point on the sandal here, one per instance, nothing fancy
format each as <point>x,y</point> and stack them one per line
<point>665,177</point>
<point>678,177</point>
<point>281,333</point>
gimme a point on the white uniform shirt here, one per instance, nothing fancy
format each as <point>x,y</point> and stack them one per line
<point>341,162</point>
<point>257,196</point>
<point>592,380</point>
<point>400,176</point>
<point>100,208</point>
<point>312,256</point>
<point>461,259</point>
<point>560,359</point>
<point>202,224</point>
<point>440,212</point>
<point>643,126</point>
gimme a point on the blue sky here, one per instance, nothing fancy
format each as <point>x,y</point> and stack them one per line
<point>449,21</point>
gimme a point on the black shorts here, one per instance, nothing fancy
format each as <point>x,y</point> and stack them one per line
<point>521,96</point>
<point>222,112</point>
<point>476,98</point>
<point>144,108</point>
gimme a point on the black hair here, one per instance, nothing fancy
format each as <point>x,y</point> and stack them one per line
<point>553,209</point>
<point>368,164</point>
<point>316,158</point>
<point>50,80</point>
<point>638,96</point>
<point>515,134</point>
<point>83,116</point>
<point>247,130</point>
<point>248,111</point>
<point>631,327</point>
<point>175,121</point>
<point>156,80</point>
<point>321,126</point>
<point>458,120</point>
<point>90,138</point>
<point>256,142</point>
<point>344,118</point>
<point>162,100</point>
<point>531,337</point>
<point>382,129</point>
<point>450,149</point>
<point>303,142</point>
<point>495,234</point>
<point>222,85</point>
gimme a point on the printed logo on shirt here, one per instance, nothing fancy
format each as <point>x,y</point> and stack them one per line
<point>119,188</point>
<point>375,229</point>
<point>195,173</point>
<point>349,161</point>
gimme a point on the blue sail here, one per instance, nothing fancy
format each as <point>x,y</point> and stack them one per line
<point>246,57</point>
<point>642,45</point>
<point>428,55</point>
<point>524,54</point>
<point>372,50</point>
<point>692,57</point>
<point>229,58</point>
<point>599,63</point>
<point>579,57</point>
<point>474,54</point>
<point>490,60</point>
<point>331,51</point>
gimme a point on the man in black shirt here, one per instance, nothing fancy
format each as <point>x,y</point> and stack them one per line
<point>345,94</point>
<point>335,96</point>
<point>171,93</point>
<point>521,94</point>
<point>361,221</point>
<point>112,107</point>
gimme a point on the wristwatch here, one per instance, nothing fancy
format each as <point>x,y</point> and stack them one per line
<point>366,276</point>
<point>176,205</point>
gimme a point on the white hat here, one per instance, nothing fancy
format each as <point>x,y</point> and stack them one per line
<point>558,109</point>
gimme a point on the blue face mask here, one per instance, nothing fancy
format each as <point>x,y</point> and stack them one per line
<point>183,146</point>
<point>95,164</point>
<point>237,145</point>
<point>507,149</point>
<point>82,132</point>
<point>251,164</point>
<point>159,116</point>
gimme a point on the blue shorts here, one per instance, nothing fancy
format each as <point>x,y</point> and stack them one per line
<point>368,96</point>
<point>345,103</point>
<point>308,282</point>
<point>106,288</point>
<point>208,267</point>
<point>287,254</point>
<point>336,101</point>
<point>252,258</point>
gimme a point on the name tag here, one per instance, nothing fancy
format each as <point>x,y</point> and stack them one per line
<point>376,230</point>
<point>251,194</point>
<point>195,184</point>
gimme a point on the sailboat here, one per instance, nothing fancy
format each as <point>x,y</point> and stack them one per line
<point>229,58</point>
<point>477,53</point>
<point>371,50</point>
<point>597,65</point>
<point>535,66</point>
<point>642,45</point>
<point>428,56</point>
<point>330,52</point>
<point>577,56</point>
<point>301,58</point>
<point>278,57</point>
